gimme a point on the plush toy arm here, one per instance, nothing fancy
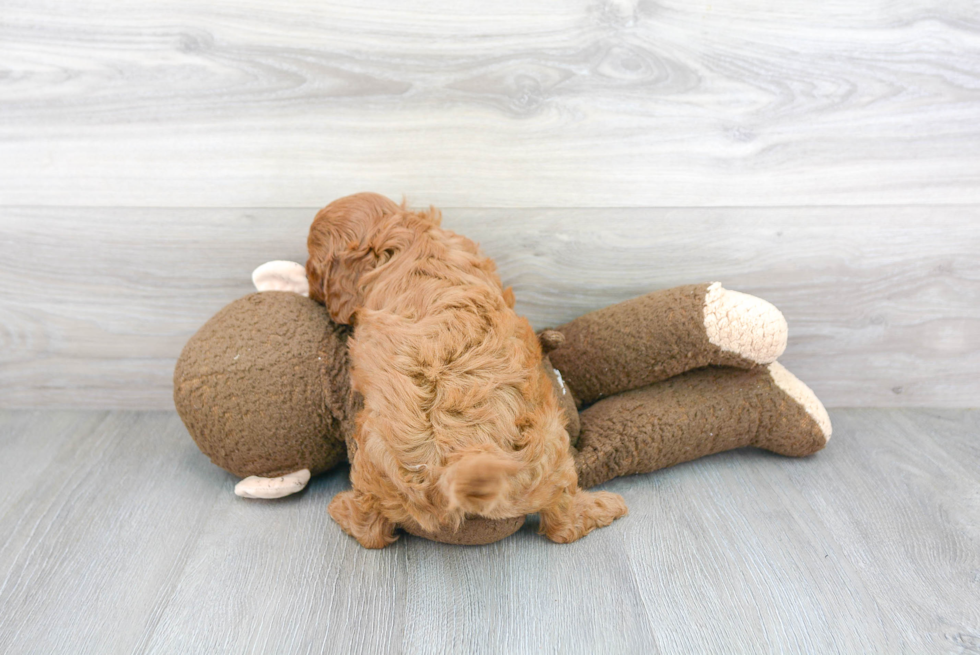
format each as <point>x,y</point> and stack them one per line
<point>697,414</point>
<point>281,276</point>
<point>662,334</point>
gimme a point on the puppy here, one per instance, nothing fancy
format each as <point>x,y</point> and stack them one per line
<point>459,417</point>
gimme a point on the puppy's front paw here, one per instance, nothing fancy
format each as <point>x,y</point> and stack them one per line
<point>586,512</point>
<point>607,507</point>
<point>358,518</point>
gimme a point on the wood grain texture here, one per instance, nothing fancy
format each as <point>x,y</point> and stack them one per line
<point>616,103</point>
<point>883,303</point>
<point>117,535</point>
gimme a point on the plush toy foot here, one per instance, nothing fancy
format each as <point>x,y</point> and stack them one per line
<point>776,440</point>
<point>696,414</point>
<point>665,333</point>
<point>256,487</point>
<point>743,325</point>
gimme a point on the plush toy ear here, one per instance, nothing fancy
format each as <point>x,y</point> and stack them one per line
<point>281,276</point>
<point>550,340</point>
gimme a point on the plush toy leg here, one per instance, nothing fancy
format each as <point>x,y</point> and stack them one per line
<point>697,414</point>
<point>257,487</point>
<point>662,334</point>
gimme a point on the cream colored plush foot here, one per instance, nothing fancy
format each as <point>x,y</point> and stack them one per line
<point>256,487</point>
<point>281,276</point>
<point>743,324</point>
<point>802,394</point>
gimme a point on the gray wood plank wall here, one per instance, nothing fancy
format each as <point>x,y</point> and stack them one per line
<point>571,104</point>
<point>828,159</point>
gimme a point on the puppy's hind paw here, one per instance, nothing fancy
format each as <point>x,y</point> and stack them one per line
<point>586,512</point>
<point>359,518</point>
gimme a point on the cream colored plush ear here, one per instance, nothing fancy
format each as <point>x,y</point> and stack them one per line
<point>281,276</point>
<point>257,487</point>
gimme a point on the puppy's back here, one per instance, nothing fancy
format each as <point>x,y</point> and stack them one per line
<point>450,376</point>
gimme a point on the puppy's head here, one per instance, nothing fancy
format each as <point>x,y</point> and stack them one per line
<point>351,237</point>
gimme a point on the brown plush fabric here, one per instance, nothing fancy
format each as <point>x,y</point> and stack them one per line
<point>334,362</point>
<point>475,531</point>
<point>699,413</point>
<point>249,386</point>
<point>264,389</point>
<point>638,342</point>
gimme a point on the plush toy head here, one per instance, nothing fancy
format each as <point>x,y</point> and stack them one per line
<point>263,387</point>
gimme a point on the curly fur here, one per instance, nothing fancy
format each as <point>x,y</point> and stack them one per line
<point>459,417</point>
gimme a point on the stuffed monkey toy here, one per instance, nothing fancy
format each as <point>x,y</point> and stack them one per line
<point>661,379</point>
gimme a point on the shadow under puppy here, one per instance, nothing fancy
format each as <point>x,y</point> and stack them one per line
<point>459,417</point>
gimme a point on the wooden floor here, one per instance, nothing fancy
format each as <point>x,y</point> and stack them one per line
<point>118,536</point>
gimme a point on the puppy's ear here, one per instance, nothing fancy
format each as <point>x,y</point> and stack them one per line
<point>343,293</point>
<point>343,248</point>
<point>316,278</point>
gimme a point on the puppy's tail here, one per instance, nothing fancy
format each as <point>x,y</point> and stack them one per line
<point>479,479</point>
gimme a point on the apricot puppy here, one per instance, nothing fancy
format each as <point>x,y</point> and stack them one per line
<point>459,418</point>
